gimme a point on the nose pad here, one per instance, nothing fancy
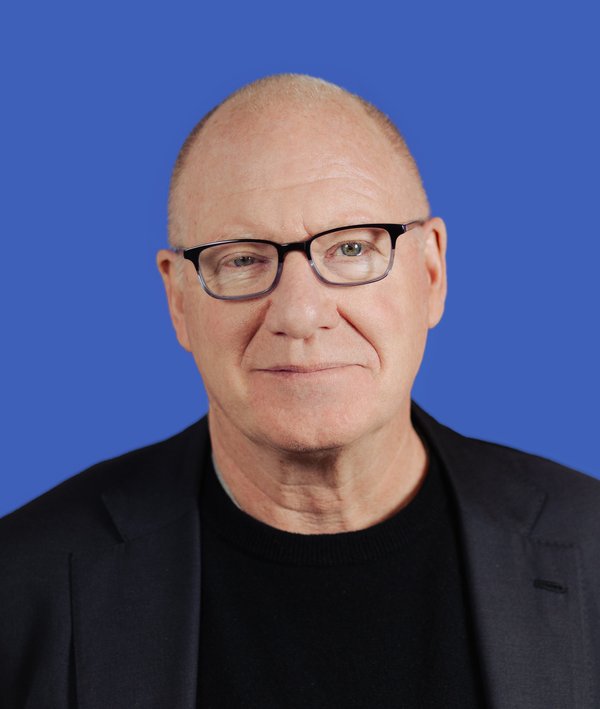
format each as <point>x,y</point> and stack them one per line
<point>297,267</point>
<point>301,304</point>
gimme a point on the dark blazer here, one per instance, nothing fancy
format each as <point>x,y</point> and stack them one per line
<point>100,579</point>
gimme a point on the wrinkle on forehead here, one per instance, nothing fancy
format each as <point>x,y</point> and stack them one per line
<point>246,162</point>
<point>257,187</point>
<point>296,209</point>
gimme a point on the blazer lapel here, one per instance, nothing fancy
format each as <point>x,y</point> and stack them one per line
<point>526,593</point>
<point>136,605</point>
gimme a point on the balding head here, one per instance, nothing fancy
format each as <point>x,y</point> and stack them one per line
<point>283,160</point>
<point>279,99</point>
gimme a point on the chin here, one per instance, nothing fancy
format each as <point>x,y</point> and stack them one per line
<point>311,431</point>
<point>302,420</point>
<point>305,445</point>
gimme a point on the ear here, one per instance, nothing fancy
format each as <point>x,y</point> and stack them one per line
<point>435,263</point>
<point>174,280</point>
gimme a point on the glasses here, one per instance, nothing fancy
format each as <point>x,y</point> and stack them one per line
<point>240,269</point>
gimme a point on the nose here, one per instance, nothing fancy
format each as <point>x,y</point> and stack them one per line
<point>301,305</point>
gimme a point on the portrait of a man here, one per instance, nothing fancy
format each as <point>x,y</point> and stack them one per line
<point>318,539</point>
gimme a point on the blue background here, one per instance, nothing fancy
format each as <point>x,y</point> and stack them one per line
<point>499,103</point>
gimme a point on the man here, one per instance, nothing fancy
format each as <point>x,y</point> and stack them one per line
<point>319,540</point>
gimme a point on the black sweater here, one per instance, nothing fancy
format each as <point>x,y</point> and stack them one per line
<point>373,619</point>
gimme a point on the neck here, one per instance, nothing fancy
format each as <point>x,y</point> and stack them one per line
<point>322,492</point>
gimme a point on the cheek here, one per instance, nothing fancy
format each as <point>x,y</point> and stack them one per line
<point>398,322</point>
<point>219,332</point>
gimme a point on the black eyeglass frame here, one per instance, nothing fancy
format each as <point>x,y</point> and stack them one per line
<point>394,230</point>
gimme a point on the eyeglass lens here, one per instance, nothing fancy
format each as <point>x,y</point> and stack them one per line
<point>349,256</point>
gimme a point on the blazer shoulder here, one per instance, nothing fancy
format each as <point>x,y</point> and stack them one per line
<point>571,499</point>
<point>72,515</point>
<point>489,455</point>
<point>550,475</point>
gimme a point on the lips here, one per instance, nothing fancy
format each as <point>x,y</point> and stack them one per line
<point>305,368</point>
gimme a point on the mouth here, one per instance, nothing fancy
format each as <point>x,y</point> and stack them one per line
<point>304,368</point>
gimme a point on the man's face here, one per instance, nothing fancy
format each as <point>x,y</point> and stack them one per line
<point>309,366</point>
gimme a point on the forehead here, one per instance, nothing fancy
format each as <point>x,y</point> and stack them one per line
<point>297,167</point>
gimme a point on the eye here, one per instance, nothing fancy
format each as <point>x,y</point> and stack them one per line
<point>243,261</point>
<point>351,248</point>
<point>240,261</point>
